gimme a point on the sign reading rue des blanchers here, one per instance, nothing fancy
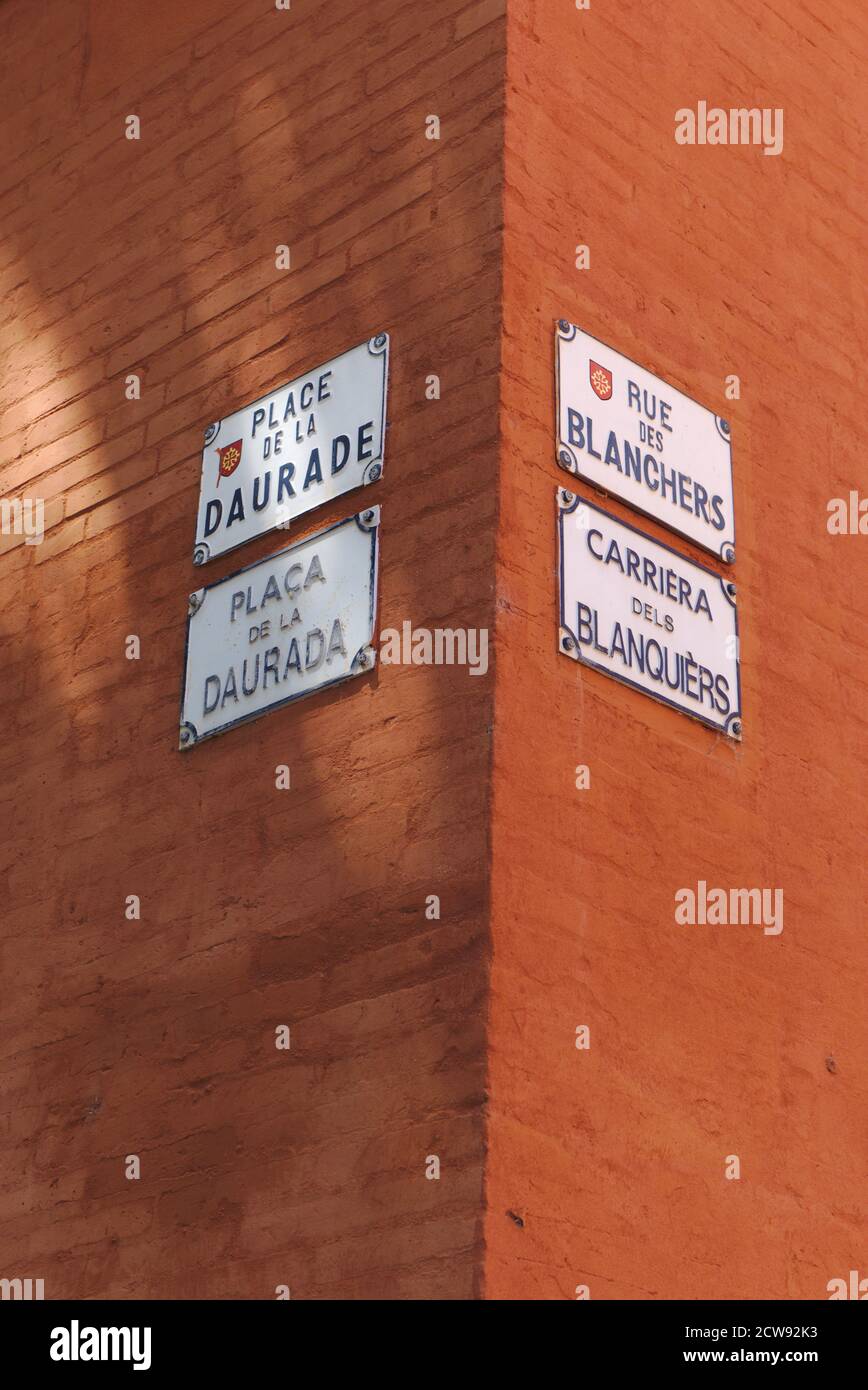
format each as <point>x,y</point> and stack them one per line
<point>634,436</point>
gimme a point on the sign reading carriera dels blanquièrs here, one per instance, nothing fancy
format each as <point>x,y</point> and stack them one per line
<point>626,431</point>
<point>644,614</point>
<point>296,622</point>
<point>317,438</point>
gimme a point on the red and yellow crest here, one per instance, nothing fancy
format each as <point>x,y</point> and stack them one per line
<point>228,459</point>
<point>601,380</point>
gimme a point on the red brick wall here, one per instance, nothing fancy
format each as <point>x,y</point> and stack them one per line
<point>705,1041</point>
<point>307,907</point>
<point>259,907</point>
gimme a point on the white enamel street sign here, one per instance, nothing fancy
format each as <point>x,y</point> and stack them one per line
<point>626,431</point>
<point>317,438</point>
<point>296,622</point>
<point>644,614</point>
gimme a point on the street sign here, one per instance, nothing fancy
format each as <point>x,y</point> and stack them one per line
<point>299,621</point>
<point>644,614</point>
<point>317,438</point>
<point>626,431</point>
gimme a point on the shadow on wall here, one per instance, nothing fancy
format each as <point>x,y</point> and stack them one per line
<point>155,1035</point>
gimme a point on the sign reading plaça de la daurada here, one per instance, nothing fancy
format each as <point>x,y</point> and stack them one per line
<point>294,623</point>
<point>318,437</point>
<point>629,433</point>
<point>646,615</point>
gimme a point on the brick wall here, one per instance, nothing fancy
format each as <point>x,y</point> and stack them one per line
<point>258,907</point>
<point>705,1042</point>
<point>602,1167</point>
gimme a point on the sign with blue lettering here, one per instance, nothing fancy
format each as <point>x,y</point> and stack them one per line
<point>626,431</point>
<point>317,438</point>
<point>291,624</point>
<point>644,614</point>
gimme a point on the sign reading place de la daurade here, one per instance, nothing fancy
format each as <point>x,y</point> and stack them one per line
<point>629,433</point>
<point>318,437</point>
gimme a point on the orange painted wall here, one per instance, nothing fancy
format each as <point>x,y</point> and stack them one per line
<point>259,907</point>
<point>705,1041</point>
<point>560,1167</point>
